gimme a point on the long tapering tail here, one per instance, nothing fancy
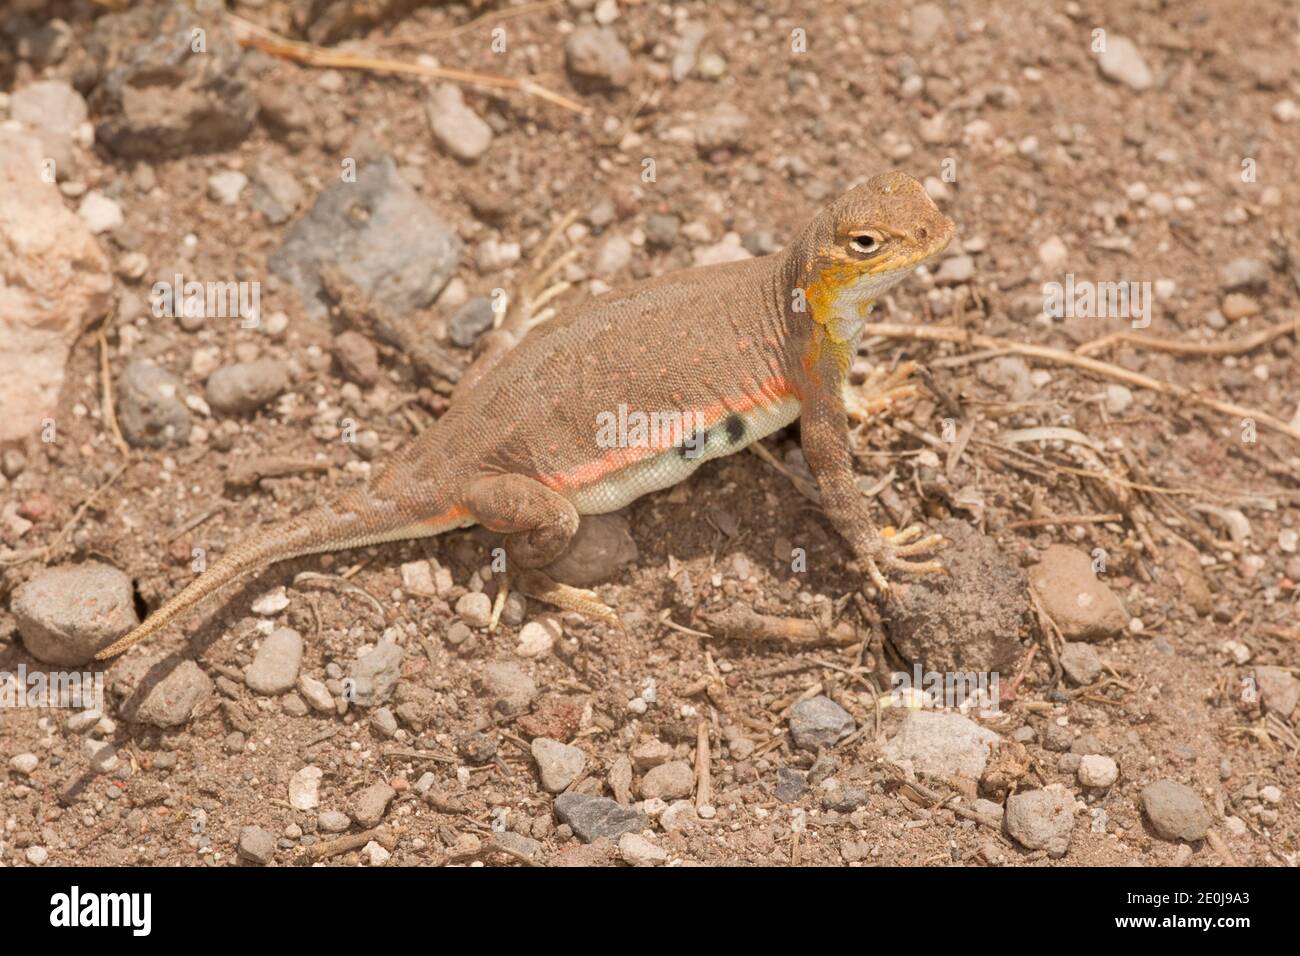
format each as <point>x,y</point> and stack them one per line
<point>345,524</point>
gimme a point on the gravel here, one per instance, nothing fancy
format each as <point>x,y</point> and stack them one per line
<point>505,684</point>
<point>66,614</point>
<point>1080,662</point>
<point>171,701</point>
<point>470,321</point>
<point>1096,770</point>
<point>457,129</point>
<point>596,58</point>
<point>638,850</point>
<point>1122,63</point>
<point>275,665</point>
<point>475,609</point>
<point>790,785</point>
<point>316,694</point>
<point>819,722</point>
<point>1175,810</point>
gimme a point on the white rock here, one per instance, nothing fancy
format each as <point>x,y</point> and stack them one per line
<point>225,187</point>
<point>1053,253</point>
<point>271,603</point>
<point>1122,63</point>
<point>37,855</point>
<point>375,854</point>
<point>304,788</point>
<point>536,638</point>
<point>99,213</point>
<point>24,763</point>
<point>639,851</point>
<point>1096,770</point>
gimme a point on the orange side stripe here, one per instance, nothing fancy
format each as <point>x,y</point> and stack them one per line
<point>769,393</point>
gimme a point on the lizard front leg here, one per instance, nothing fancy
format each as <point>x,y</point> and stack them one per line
<point>825,431</point>
<point>538,524</point>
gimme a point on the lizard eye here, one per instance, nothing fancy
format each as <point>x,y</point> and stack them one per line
<point>865,243</point>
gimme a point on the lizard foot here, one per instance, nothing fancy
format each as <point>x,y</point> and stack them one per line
<point>896,547</point>
<point>537,585</point>
<point>880,392</point>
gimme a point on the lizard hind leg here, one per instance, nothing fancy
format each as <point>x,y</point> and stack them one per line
<point>538,524</point>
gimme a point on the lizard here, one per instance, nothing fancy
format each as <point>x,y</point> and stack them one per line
<point>732,351</point>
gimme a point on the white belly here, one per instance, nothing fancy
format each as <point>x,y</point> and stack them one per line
<point>668,468</point>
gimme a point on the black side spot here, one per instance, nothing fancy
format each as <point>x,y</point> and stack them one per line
<point>735,428</point>
<point>141,605</point>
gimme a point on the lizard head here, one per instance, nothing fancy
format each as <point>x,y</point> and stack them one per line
<point>865,242</point>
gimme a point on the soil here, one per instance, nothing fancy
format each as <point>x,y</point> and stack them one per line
<point>1170,701</point>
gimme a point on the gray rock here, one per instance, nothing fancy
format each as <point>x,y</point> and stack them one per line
<point>149,407</point>
<point>1244,275</point>
<point>375,674</point>
<point>613,255</point>
<point>256,845</point>
<point>369,805</point>
<point>333,821</point>
<point>760,242</point>
<point>457,128</point>
<point>227,186</point>
<point>942,745</point>
<point>1097,770</point>
<point>50,105</point>
<point>592,818</point>
<point>276,192</point>
<point>1042,819</point>
<point>668,781</point>
<point>67,614</point>
<point>275,665</point>
<point>171,701</point>
<point>1122,63</point>
<point>955,270</point>
<point>316,694</point>
<point>1080,662</point>
<point>504,683</point>
<point>661,230</point>
<point>383,722</point>
<point>819,722</point>
<point>379,234</point>
<point>1057,738</point>
<point>602,547</point>
<point>475,609</point>
<point>790,785</point>
<point>1279,692</point>
<point>1082,606</point>
<point>596,58</point>
<point>246,386</point>
<point>157,97</point>
<point>1175,810</point>
<point>558,764</point>
<point>470,321</point>
<point>965,624</point>
<point>722,127</point>
<point>519,846</point>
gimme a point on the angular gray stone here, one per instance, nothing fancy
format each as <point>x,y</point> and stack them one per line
<point>1041,819</point>
<point>276,192</point>
<point>942,745</point>
<point>1175,810</point>
<point>275,665</point>
<point>67,614</point>
<point>256,845</point>
<point>1080,662</point>
<point>470,321</point>
<point>790,785</point>
<point>595,817</point>
<point>379,234</point>
<point>246,386</point>
<point>819,722</point>
<point>149,407</point>
<point>375,674</point>
<point>157,96</point>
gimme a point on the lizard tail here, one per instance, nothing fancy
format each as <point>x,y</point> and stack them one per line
<point>345,524</point>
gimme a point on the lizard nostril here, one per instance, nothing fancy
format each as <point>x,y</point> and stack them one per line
<point>922,234</point>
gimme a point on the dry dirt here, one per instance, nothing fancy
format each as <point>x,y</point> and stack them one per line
<point>1044,146</point>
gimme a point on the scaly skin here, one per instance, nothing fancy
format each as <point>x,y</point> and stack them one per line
<point>746,346</point>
